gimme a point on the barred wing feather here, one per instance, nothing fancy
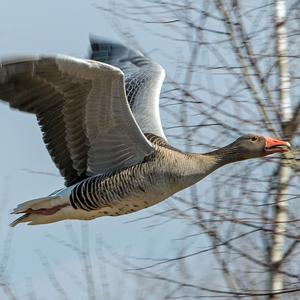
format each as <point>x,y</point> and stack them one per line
<point>82,109</point>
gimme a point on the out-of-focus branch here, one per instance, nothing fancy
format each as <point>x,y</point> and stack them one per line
<point>56,284</point>
<point>246,78</point>
<point>252,59</point>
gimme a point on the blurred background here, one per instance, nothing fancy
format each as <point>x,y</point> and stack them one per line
<point>232,68</point>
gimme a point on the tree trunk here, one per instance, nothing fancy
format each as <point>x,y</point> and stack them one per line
<point>281,206</point>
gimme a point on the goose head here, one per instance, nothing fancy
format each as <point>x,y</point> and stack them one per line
<point>250,146</point>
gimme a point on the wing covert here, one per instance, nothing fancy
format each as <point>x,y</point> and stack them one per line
<point>143,81</point>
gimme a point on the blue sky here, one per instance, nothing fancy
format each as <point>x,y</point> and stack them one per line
<point>58,27</point>
<point>30,27</point>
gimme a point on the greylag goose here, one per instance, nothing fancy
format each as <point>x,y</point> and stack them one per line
<point>101,125</point>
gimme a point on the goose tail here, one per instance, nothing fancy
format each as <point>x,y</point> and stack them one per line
<point>41,211</point>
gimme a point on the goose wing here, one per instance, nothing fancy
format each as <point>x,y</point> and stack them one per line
<point>82,109</point>
<point>143,81</point>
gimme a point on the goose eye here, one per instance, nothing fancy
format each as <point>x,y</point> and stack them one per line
<point>254,138</point>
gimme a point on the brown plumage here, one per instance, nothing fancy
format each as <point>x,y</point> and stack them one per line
<point>103,131</point>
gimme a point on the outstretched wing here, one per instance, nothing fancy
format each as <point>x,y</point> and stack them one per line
<point>143,81</point>
<point>82,109</point>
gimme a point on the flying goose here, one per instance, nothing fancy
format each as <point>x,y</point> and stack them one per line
<point>101,125</point>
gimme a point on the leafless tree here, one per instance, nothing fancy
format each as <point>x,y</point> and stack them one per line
<point>237,70</point>
<point>233,68</point>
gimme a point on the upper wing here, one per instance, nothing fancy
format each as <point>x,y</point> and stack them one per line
<point>143,81</point>
<point>82,109</point>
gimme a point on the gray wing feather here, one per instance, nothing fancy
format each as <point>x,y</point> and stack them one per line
<point>82,109</point>
<point>143,81</point>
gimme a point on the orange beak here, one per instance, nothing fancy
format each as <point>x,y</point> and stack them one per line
<point>276,146</point>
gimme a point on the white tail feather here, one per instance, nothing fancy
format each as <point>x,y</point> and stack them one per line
<point>40,204</point>
<point>50,209</point>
